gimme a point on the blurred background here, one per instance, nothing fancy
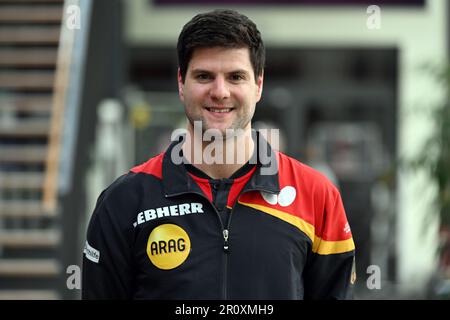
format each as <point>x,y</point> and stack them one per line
<point>88,89</point>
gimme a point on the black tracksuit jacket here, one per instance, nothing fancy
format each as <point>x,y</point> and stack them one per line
<point>155,234</point>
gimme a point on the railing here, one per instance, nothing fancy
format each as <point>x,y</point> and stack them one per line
<point>65,104</point>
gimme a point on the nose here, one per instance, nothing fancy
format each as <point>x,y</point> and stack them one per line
<point>219,89</point>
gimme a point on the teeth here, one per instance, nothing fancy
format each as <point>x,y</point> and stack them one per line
<point>219,110</point>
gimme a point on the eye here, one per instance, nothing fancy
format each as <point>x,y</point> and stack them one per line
<point>203,76</point>
<point>237,77</point>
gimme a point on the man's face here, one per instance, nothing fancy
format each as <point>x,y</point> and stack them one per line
<point>220,89</point>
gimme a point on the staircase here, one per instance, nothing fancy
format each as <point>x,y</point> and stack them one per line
<point>30,236</point>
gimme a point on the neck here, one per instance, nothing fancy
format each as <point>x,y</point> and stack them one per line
<point>219,158</point>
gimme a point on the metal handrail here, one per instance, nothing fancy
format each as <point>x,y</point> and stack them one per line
<point>69,72</point>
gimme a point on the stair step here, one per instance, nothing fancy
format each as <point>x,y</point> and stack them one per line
<point>29,238</point>
<point>31,14</point>
<point>29,295</point>
<point>23,154</point>
<point>28,58</point>
<point>29,267</point>
<point>25,128</point>
<point>30,35</point>
<point>21,180</point>
<point>24,209</point>
<point>26,103</point>
<point>26,80</point>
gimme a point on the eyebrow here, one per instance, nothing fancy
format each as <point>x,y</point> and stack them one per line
<point>241,71</point>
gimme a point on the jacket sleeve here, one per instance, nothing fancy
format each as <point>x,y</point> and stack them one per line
<point>107,264</point>
<point>330,271</point>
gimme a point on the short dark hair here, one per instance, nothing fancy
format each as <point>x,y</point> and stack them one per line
<point>220,28</point>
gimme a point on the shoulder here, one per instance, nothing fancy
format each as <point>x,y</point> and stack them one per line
<point>153,166</point>
<point>317,200</point>
<point>304,176</point>
<point>126,192</point>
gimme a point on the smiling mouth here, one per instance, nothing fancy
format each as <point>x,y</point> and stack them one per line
<point>219,110</point>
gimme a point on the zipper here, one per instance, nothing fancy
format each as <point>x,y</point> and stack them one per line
<point>225,233</point>
<point>225,264</point>
<point>225,242</point>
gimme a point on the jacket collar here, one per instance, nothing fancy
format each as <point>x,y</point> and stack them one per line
<point>176,179</point>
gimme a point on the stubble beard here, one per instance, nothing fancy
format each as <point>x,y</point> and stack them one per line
<point>238,125</point>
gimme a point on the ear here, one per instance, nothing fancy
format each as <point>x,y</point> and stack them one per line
<point>180,86</point>
<point>259,83</point>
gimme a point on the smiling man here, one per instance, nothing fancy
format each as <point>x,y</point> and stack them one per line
<point>219,230</point>
<point>220,96</point>
<point>220,80</point>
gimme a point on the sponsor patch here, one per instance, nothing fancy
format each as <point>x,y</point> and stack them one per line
<point>168,246</point>
<point>168,211</point>
<point>285,198</point>
<point>91,253</point>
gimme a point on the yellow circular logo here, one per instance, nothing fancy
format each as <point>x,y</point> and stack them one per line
<point>168,246</point>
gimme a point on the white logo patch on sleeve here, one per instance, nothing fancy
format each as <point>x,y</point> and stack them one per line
<point>285,198</point>
<point>91,253</point>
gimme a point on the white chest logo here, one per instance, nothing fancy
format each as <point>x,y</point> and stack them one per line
<point>284,198</point>
<point>168,211</point>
